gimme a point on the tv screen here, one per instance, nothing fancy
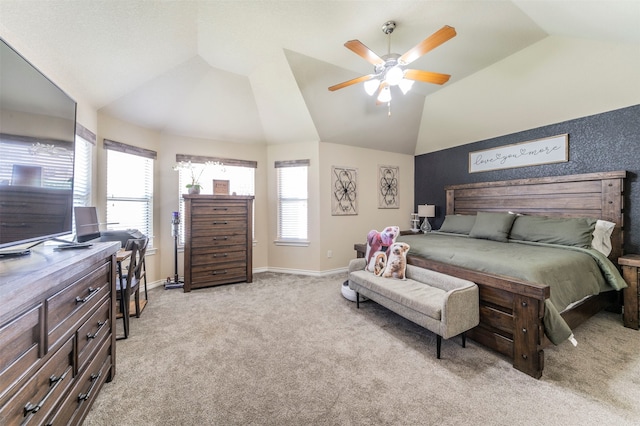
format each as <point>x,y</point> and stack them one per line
<point>37,142</point>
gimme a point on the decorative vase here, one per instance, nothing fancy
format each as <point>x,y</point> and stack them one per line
<point>194,190</point>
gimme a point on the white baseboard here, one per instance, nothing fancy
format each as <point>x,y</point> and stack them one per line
<point>306,272</point>
<point>160,283</point>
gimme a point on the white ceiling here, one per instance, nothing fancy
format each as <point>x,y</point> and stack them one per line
<point>258,71</point>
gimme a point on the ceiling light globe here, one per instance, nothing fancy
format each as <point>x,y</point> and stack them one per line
<point>405,85</point>
<point>394,76</point>
<point>370,86</point>
<point>385,95</point>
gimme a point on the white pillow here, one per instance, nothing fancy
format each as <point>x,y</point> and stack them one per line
<point>602,236</point>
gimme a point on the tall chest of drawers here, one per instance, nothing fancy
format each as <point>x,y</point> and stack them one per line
<point>218,240</point>
<point>57,338</point>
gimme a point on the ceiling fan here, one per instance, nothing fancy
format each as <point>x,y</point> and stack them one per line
<point>391,69</point>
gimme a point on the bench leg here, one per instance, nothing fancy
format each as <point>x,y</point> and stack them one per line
<point>464,339</point>
<point>438,345</point>
<point>357,300</point>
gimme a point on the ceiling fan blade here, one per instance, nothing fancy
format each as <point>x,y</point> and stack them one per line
<point>350,82</point>
<point>434,40</point>
<point>426,76</point>
<point>360,49</point>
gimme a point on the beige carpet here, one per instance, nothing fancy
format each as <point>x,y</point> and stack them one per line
<point>290,350</point>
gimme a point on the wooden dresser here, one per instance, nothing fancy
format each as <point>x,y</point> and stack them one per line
<point>218,240</point>
<point>57,333</point>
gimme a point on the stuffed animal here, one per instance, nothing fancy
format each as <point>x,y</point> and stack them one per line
<point>396,261</point>
<point>377,263</point>
<point>380,241</point>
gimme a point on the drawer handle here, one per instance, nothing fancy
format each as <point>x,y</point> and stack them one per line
<point>92,291</point>
<point>224,222</point>
<point>215,255</point>
<point>14,225</point>
<point>93,336</point>
<point>94,380</point>
<point>219,272</point>
<point>54,381</point>
<point>220,208</point>
<point>225,238</point>
<point>14,204</point>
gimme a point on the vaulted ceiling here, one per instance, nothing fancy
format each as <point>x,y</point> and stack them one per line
<point>258,71</point>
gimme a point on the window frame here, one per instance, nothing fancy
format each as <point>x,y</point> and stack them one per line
<point>148,197</point>
<point>281,240</point>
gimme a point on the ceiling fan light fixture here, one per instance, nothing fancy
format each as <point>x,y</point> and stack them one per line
<point>371,86</point>
<point>394,75</point>
<point>385,95</point>
<point>405,85</point>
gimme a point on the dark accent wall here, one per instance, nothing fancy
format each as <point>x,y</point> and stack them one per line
<point>598,143</point>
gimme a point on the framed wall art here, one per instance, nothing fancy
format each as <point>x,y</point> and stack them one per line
<point>554,149</point>
<point>344,191</point>
<point>388,187</point>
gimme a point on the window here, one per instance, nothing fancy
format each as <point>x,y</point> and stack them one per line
<point>292,201</point>
<point>82,171</point>
<point>129,188</point>
<point>239,173</point>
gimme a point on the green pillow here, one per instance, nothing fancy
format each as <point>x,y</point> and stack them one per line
<point>458,224</point>
<point>572,231</point>
<point>492,226</point>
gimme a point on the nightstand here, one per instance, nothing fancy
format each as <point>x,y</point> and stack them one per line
<point>630,264</point>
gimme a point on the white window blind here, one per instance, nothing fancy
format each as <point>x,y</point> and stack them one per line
<point>292,200</point>
<point>82,173</point>
<point>54,157</point>
<point>241,181</point>
<point>130,192</point>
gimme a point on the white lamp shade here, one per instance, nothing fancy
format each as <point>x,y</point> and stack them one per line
<point>426,210</point>
<point>394,75</point>
<point>385,95</point>
<point>405,85</point>
<point>370,86</point>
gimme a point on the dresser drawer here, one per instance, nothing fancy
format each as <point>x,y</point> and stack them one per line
<point>21,348</point>
<point>218,274</point>
<point>218,208</point>
<point>219,240</point>
<point>92,332</point>
<point>218,224</point>
<point>218,255</point>
<point>86,387</point>
<point>65,309</point>
<point>35,400</point>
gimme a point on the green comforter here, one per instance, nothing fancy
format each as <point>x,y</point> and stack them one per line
<point>572,273</point>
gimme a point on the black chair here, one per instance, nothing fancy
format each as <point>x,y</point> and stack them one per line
<point>128,283</point>
<point>142,268</point>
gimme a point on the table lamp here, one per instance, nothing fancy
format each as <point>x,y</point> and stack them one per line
<point>426,211</point>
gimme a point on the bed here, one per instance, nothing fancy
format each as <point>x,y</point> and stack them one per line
<point>513,309</point>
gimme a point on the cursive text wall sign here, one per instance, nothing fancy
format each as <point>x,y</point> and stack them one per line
<point>541,151</point>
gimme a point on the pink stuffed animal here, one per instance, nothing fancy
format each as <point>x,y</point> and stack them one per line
<point>380,241</point>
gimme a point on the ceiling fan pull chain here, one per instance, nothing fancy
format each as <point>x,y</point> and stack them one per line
<point>389,109</point>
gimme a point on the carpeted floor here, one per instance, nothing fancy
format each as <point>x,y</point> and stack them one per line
<point>290,350</point>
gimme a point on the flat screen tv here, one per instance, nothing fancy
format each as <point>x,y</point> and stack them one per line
<point>37,146</point>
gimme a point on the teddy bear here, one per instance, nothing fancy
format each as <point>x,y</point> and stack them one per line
<point>379,241</point>
<point>396,261</point>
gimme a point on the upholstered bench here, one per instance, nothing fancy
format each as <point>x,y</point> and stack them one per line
<point>446,305</point>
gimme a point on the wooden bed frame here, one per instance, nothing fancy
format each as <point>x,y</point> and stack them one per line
<point>512,310</point>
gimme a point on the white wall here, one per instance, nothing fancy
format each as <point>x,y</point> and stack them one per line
<point>554,80</point>
<point>339,233</point>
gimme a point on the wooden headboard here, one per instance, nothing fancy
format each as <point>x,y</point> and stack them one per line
<point>597,195</point>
